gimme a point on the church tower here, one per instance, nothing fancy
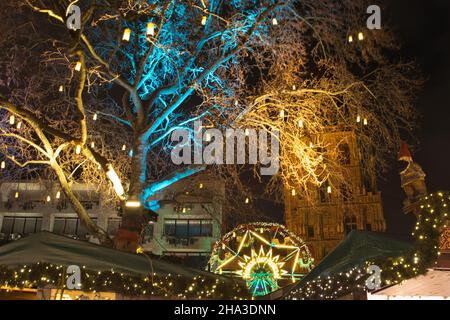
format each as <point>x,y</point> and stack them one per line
<point>326,220</point>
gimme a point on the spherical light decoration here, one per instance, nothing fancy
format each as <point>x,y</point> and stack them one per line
<point>266,255</point>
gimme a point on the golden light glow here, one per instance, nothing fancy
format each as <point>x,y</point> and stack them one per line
<point>247,200</point>
<point>3,165</point>
<point>350,39</point>
<point>78,149</point>
<point>92,144</point>
<point>95,117</point>
<point>204,20</point>
<point>16,195</point>
<point>132,204</point>
<point>114,178</point>
<point>282,114</point>
<point>126,34</point>
<point>58,195</point>
<point>48,199</point>
<point>124,147</point>
<point>360,36</point>
<point>300,123</point>
<point>329,189</point>
<point>293,192</point>
<point>275,21</point>
<point>61,88</point>
<point>19,125</point>
<point>12,119</point>
<point>150,29</point>
<point>365,122</point>
<point>358,119</point>
<point>78,66</point>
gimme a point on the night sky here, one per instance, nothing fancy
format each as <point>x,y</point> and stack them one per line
<point>424,28</point>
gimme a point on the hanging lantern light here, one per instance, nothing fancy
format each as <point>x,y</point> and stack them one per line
<point>61,88</point>
<point>3,165</point>
<point>293,192</point>
<point>16,195</point>
<point>95,117</point>
<point>275,21</point>
<point>92,144</point>
<point>360,36</point>
<point>329,189</point>
<point>126,34</point>
<point>358,119</point>
<point>204,20</point>
<point>282,113</point>
<point>12,119</point>
<point>350,39</point>
<point>19,125</point>
<point>78,149</point>
<point>124,147</point>
<point>294,87</point>
<point>78,66</point>
<point>247,200</point>
<point>49,199</point>
<point>247,132</point>
<point>150,29</point>
<point>58,195</point>
<point>300,123</point>
<point>365,121</point>
<point>200,186</point>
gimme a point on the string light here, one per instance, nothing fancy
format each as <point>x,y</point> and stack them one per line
<point>126,34</point>
<point>293,192</point>
<point>329,189</point>
<point>92,144</point>
<point>150,29</point>
<point>300,123</point>
<point>200,186</point>
<point>282,114</point>
<point>365,122</point>
<point>247,200</point>
<point>358,119</point>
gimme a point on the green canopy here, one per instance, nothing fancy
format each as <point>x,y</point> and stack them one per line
<point>46,247</point>
<point>357,248</point>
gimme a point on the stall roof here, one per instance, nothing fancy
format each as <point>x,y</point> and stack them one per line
<point>46,247</point>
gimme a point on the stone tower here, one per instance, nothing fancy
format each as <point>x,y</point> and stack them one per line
<point>326,220</point>
<point>412,179</point>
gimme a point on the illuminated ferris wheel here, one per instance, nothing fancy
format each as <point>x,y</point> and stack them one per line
<point>266,255</point>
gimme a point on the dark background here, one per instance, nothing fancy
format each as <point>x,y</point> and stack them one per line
<point>424,28</point>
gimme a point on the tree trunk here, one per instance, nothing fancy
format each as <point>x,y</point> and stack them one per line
<point>133,220</point>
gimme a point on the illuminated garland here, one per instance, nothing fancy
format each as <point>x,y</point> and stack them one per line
<point>432,217</point>
<point>42,275</point>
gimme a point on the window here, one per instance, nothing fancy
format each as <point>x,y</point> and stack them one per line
<point>70,226</point>
<point>344,154</point>
<point>186,228</point>
<point>21,225</point>
<point>310,232</point>
<point>350,224</point>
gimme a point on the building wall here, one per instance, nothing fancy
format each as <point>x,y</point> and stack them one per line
<point>324,221</point>
<point>194,203</point>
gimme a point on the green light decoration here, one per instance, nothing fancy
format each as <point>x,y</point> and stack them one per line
<point>266,255</point>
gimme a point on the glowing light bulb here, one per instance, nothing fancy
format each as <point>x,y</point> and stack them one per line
<point>350,39</point>
<point>358,119</point>
<point>58,195</point>
<point>300,123</point>
<point>247,132</point>
<point>61,88</point>
<point>294,87</point>
<point>293,192</point>
<point>49,199</point>
<point>329,189</point>
<point>282,114</point>
<point>133,204</point>
<point>92,144</point>
<point>12,119</point>
<point>78,66</point>
<point>16,195</point>
<point>126,34</point>
<point>19,125</point>
<point>275,21</point>
<point>204,20</point>
<point>124,147</point>
<point>78,149</point>
<point>365,122</point>
<point>247,200</point>
<point>3,165</point>
<point>200,186</point>
<point>360,36</point>
<point>95,117</point>
<point>150,29</point>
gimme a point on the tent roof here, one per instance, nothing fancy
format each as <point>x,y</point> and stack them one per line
<point>357,248</point>
<point>435,283</point>
<point>46,247</point>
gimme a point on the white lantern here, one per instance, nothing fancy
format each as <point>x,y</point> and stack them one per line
<point>360,36</point>
<point>204,20</point>
<point>150,29</point>
<point>274,21</point>
<point>78,66</point>
<point>126,34</point>
<point>12,119</point>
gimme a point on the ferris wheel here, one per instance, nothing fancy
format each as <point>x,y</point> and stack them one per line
<point>266,255</point>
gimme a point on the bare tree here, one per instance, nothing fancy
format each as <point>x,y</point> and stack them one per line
<point>103,100</point>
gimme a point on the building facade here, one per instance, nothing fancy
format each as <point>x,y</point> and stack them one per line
<point>188,223</point>
<point>325,220</point>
